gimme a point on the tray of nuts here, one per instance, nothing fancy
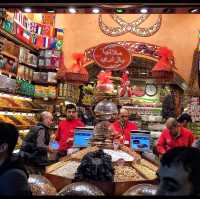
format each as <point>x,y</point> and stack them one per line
<point>124,173</point>
<point>68,170</point>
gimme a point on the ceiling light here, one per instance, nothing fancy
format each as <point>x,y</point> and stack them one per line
<point>51,11</point>
<point>72,10</point>
<point>143,10</point>
<point>194,10</point>
<point>95,10</point>
<point>119,10</point>
<point>28,10</point>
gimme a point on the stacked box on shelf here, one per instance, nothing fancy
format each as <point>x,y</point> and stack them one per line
<point>45,91</point>
<point>25,88</point>
<point>49,59</point>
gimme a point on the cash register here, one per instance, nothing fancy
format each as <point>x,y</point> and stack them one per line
<point>82,136</point>
<point>140,140</point>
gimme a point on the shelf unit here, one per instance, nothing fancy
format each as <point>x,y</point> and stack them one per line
<point>17,41</point>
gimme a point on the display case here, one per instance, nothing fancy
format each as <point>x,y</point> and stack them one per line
<point>126,175</point>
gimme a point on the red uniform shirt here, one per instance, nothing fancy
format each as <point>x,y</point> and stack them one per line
<point>166,141</point>
<point>66,131</point>
<point>118,130</point>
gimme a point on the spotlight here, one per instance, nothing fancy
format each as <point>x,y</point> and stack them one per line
<point>28,10</point>
<point>51,11</point>
<point>194,10</point>
<point>143,10</point>
<point>95,10</point>
<point>72,10</point>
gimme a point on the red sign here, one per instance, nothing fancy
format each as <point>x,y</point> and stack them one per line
<point>112,56</point>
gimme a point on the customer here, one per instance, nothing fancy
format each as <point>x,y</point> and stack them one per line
<point>123,127</point>
<point>184,120</point>
<point>65,133</point>
<point>173,136</point>
<point>35,146</point>
<point>13,176</point>
<point>95,166</point>
<point>179,172</point>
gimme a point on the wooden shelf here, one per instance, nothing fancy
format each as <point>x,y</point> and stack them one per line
<point>17,41</point>
<point>18,109</point>
<point>44,84</point>
<point>46,70</point>
<point>29,65</point>
<point>8,55</point>
<point>22,127</point>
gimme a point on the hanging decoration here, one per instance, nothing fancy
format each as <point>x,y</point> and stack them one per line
<point>105,83</point>
<point>112,56</point>
<point>125,87</point>
<point>194,81</point>
<point>41,36</point>
<point>133,27</point>
<point>163,70</point>
<point>76,72</point>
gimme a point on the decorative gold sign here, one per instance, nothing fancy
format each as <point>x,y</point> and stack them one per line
<point>132,27</point>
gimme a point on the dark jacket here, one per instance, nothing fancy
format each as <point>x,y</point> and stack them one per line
<point>34,150</point>
<point>14,178</point>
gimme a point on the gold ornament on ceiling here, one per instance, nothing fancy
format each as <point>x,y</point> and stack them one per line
<point>132,27</point>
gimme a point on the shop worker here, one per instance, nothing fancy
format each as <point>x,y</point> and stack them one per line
<point>184,120</point>
<point>13,175</point>
<point>65,133</point>
<point>123,127</point>
<point>179,172</point>
<point>172,136</point>
<point>35,146</point>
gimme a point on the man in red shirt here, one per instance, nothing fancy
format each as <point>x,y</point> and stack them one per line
<point>172,136</point>
<point>123,127</point>
<point>65,133</point>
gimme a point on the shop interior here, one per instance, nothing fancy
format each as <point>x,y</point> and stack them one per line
<point>101,57</point>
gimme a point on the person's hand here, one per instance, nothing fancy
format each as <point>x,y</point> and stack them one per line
<point>53,137</point>
<point>70,140</point>
<point>50,150</point>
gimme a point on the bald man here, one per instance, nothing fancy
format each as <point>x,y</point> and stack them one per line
<point>123,127</point>
<point>35,146</point>
<point>172,136</point>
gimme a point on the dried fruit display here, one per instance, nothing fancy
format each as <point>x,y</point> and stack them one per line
<point>126,173</point>
<point>148,173</point>
<point>68,170</point>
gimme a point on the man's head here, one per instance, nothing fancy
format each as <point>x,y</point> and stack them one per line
<point>172,125</point>
<point>184,119</point>
<point>95,166</point>
<point>46,118</point>
<point>179,172</point>
<point>8,139</point>
<point>123,115</point>
<point>71,111</point>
